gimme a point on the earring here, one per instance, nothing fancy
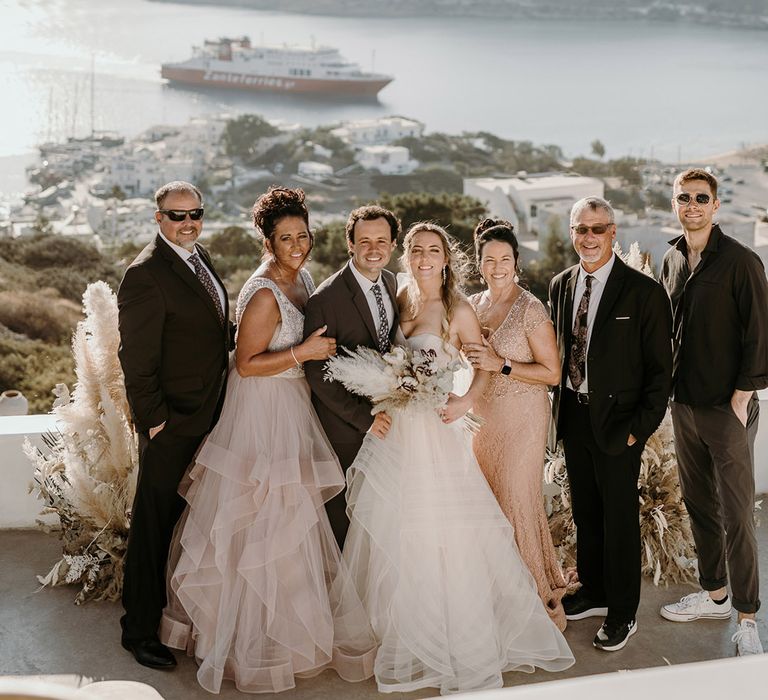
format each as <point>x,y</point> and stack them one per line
<point>445,275</point>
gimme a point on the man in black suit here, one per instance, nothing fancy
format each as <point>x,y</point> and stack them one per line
<point>613,328</point>
<point>358,306</point>
<point>175,337</point>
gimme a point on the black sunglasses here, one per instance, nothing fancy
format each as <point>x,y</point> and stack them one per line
<point>181,214</point>
<point>597,229</point>
<point>685,198</point>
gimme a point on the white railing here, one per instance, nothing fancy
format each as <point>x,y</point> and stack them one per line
<point>21,509</point>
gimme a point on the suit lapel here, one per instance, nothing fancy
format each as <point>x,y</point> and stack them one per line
<point>570,293</point>
<point>360,302</point>
<point>610,294</point>
<point>183,270</point>
<point>390,282</point>
<point>565,331</point>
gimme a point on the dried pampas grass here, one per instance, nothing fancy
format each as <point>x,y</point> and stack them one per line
<point>668,554</point>
<point>88,479</point>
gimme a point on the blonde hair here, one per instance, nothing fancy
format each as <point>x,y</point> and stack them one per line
<point>454,272</point>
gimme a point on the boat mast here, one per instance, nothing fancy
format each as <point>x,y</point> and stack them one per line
<point>93,91</point>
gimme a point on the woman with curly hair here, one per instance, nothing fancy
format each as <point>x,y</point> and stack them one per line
<point>434,558</point>
<point>257,589</point>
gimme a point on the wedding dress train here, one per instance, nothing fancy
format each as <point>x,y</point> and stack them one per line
<point>435,562</point>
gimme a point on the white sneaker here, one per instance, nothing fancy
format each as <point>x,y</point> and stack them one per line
<point>696,606</point>
<point>747,639</point>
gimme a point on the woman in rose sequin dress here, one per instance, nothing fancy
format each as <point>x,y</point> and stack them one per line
<point>520,351</point>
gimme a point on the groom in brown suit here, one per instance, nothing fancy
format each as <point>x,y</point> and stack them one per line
<point>175,337</point>
<point>358,305</point>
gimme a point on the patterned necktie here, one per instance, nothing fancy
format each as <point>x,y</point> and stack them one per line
<point>207,282</point>
<point>577,362</point>
<point>383,330</point>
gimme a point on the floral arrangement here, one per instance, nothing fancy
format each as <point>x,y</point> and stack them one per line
<point>668,554</point>
<point>88,477</point>
<point>396,380</point>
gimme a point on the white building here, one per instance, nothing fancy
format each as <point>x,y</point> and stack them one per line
<point>532,202</point>
<point>130,219</point>
<point>145,169</point>
<point>388,160</point>
<point>314,171</point>
<point>371,132</point>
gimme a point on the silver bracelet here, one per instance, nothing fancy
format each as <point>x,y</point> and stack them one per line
<point>298,364</point>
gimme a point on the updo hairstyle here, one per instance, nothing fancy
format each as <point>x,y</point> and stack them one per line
<point>276,204</point>
<point>500,232</point>
<point>485,224</point>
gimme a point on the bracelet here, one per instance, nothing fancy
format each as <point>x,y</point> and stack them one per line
<point>298,364</point>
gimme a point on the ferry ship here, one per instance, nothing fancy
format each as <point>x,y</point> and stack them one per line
<point>238,65</point>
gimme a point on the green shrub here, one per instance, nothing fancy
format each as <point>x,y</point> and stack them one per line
<point>34,368</point>
<point>39,316</point>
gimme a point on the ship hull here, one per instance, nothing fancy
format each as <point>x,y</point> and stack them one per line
<point>262,83</point>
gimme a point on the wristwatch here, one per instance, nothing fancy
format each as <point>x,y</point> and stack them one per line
<point>507,368</point>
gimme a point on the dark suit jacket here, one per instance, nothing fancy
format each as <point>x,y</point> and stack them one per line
<point>629,359</point>
<point>340,303</point>
<point>173,349</point>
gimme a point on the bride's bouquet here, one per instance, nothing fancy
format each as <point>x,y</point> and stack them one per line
<point>397,380</point>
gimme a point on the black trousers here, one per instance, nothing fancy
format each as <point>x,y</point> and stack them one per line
<point>606,510</point>
<point>337,506</point>
<point>156,509</point>
<point>715,459</point>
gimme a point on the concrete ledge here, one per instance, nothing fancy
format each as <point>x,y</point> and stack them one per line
<point>18,507</point>
<point>708,680</point>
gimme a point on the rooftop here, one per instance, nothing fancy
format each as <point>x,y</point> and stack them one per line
<point>44,634</point>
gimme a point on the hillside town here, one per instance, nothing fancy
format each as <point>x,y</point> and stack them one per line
<point>99,189</point>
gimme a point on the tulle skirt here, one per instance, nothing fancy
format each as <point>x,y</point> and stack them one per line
<point>257,590</point>
<point>435,563</point>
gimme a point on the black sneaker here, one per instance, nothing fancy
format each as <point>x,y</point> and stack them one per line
<point>613,636</point>
<point>577,606</point>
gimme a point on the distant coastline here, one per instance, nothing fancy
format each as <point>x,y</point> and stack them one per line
<point>723,13</point>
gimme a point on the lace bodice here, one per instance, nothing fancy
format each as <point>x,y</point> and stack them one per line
<point>510,340</point>
<point>290,329</point>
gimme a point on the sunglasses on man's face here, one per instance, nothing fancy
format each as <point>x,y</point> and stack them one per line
<point>685,198</point>
<point>597,229</point>
<point>181,214</point>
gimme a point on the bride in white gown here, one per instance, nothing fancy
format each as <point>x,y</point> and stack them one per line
<point>432,555</point>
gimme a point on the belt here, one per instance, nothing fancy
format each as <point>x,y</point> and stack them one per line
<point>581,396</point>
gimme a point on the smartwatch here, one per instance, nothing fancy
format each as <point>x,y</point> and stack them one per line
<point>507,368</point>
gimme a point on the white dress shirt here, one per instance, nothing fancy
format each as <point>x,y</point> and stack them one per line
<point>370,297</point>
<point>600,277</point>
<point>185,255</point>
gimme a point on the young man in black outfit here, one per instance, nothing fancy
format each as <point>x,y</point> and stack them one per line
<point>719,296</point>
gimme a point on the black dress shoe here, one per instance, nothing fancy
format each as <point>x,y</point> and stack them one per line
<point>577,606</point>
<point>613,636</point>
<point>151,653</point>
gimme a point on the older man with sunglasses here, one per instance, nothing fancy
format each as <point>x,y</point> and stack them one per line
<point>175,338</point>
<point>719,296</point>
<point>613,327</point>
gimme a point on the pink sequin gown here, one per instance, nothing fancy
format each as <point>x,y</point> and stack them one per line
<point>510,448</point>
